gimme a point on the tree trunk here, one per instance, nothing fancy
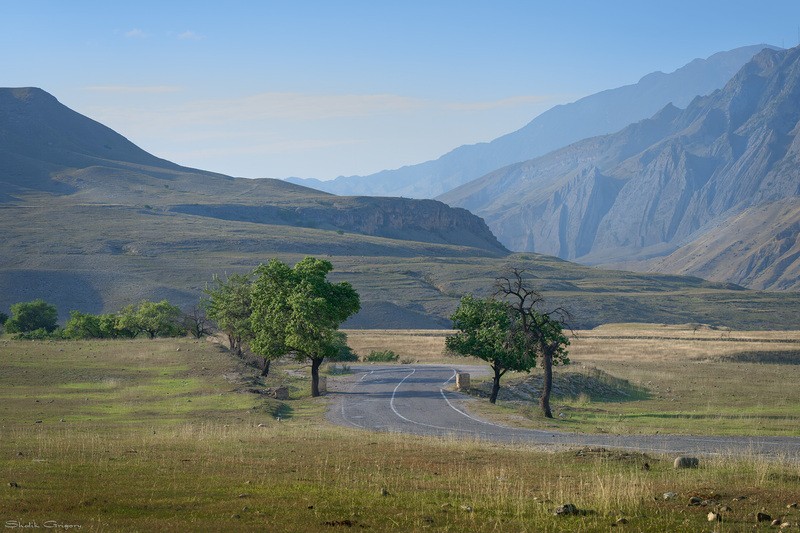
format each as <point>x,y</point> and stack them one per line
<point>547,386</point>
<point>315,364</point>
<point>496,384</point>
<point>265,369</point>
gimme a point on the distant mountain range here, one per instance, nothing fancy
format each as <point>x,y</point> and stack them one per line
<point>712,190</point>
<point>91,222</point>
<point>598,114</point>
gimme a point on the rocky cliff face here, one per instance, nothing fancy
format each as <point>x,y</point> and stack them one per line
<point>661,184</point>
<point>394,218</point>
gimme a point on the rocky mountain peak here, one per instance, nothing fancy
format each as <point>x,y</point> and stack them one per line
<point>668,181</point>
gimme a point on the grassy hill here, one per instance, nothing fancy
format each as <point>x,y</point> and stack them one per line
<point>91,222</point>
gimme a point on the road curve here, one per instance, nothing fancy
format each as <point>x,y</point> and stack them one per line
<point>416,399</point>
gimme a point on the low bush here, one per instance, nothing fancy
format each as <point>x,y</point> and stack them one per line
<point>383,356</point>
<point>40,334</point>
<point>334,369</point>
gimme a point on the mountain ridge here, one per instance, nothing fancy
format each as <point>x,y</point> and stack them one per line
<point>603,112</point>
<point>727,152</point>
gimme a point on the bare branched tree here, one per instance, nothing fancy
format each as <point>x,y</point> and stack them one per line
<point>543,331</point>
<point>197,324</point>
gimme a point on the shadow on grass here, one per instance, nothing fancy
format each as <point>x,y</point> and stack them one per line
<point>278,409</point>
<point>581,385</point>
<point>783,357</point>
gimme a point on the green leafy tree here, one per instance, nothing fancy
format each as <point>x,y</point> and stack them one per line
<point>112,328</point>
<point>83,326</point>
<point>32,316</point>
<point>488,331</point>
<point>229,305</point>
<point>539,330</point>
<point>344,353</point>
<point>3,318</point>
<point>88,326</point>
<point>40,335</point>
<point>156,319</point>
<point>297,311</point>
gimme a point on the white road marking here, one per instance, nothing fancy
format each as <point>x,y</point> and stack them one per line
<point>391,404</point>
<point>459,411</point>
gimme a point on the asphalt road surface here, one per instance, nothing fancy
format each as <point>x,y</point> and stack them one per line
<point>419,399</point>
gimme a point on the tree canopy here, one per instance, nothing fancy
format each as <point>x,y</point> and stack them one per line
<point>32,316</point>
<point>297,311</point>
<point>156,319</point>
<point>83,326</point>
<point>489,330</point>
<point>88,326</point>
<point>229,305</point>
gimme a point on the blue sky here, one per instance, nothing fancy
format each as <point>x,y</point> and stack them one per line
<point>328,88</point>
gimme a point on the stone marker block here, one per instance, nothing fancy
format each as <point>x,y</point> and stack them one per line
<point>686,462</point>
<point>462,381</point>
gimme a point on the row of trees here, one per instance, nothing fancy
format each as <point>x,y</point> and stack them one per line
<point>39,319</point>
<point>511,332</point>
<point>275,310</point>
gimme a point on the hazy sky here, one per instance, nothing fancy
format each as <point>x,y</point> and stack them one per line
<point>327,88</point>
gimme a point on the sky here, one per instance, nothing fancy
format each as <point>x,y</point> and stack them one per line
<point>327,88</point>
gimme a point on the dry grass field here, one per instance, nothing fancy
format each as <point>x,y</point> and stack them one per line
<point>162,436</point>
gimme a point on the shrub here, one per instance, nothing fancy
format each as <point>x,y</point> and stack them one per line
<point>334,369</point>
<point>40,334</point>
<point>383,356</point>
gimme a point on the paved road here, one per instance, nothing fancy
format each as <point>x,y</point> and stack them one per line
<point>416,399</point>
